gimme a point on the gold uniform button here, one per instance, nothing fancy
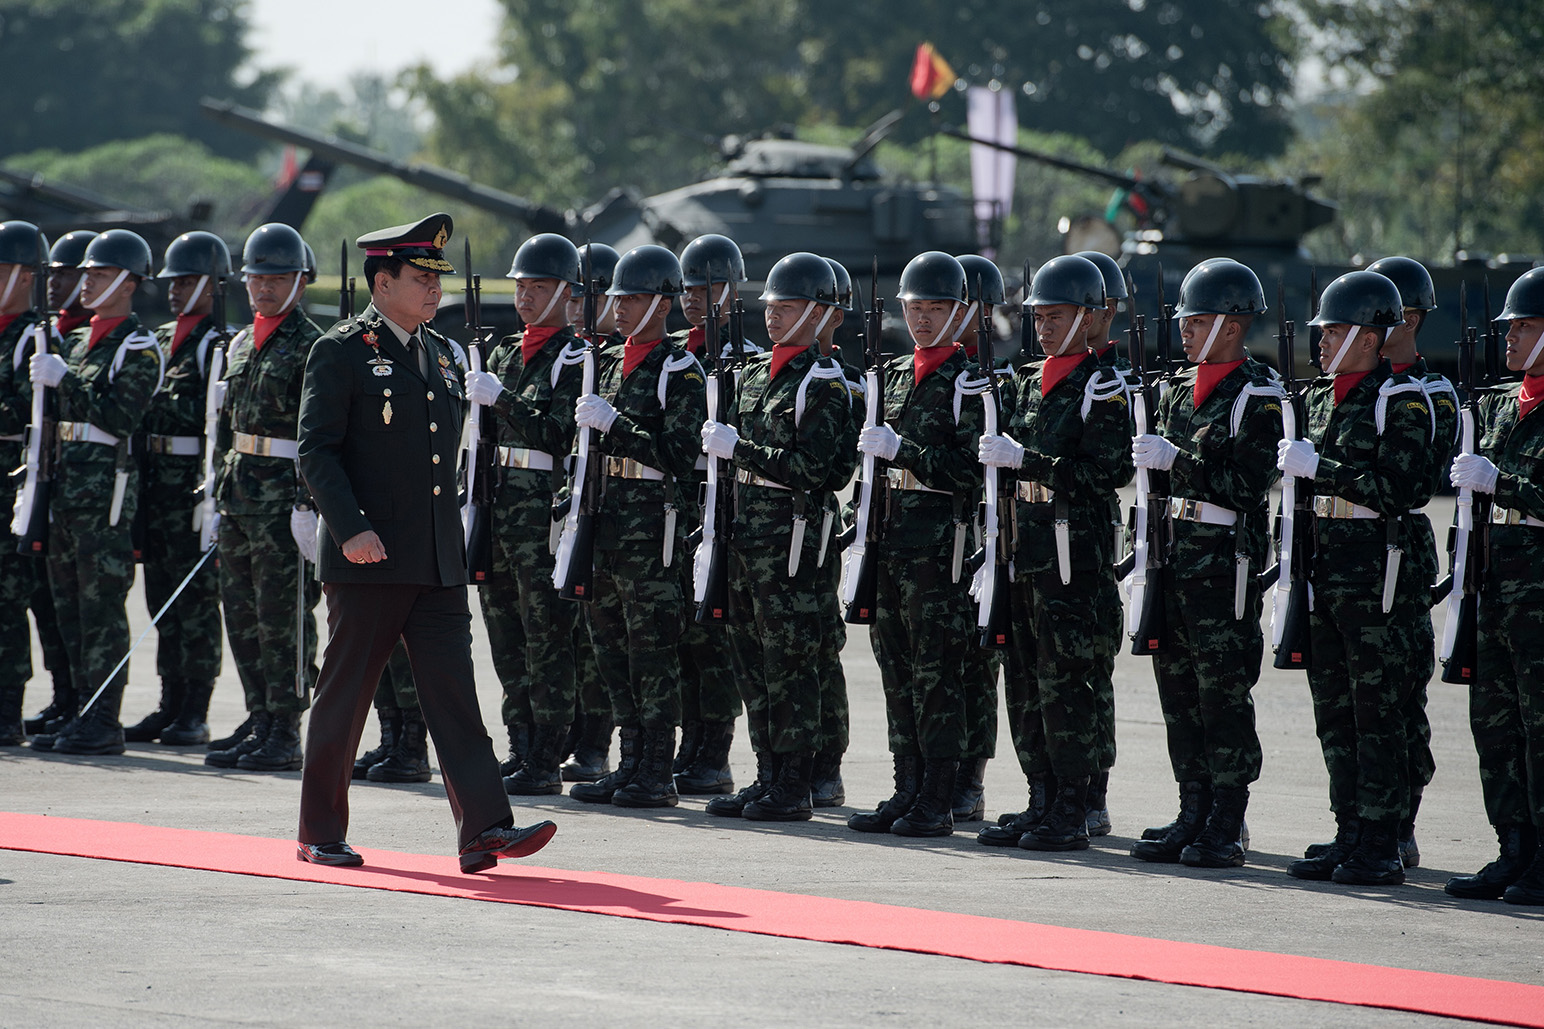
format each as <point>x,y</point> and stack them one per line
<point>431,394</point>
<point>436,491</point>
<point>433,427</point>
<point>386,393</point>
<point>436,458</point>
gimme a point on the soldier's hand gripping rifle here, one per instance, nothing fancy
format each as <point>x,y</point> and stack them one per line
<point>29,520</point>
<point>1292,597</point>
<point>207,507</point>
<point>1145,622</point>
<point>1460,633</point>
<point>860,565</point>
<point>994,616</point>
<point>710,571</point>
<point>481,449</point>
<point>574,569</point>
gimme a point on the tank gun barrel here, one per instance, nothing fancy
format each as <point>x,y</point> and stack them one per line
<point>1142,186</point>
<point>426,176</point>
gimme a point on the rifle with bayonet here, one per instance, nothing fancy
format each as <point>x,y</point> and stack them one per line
<point>29,522</point>
<point>574,569</point>
<point>218,352</point>
<point>1469,548</point>
<point>345,286</point>
<point>860,571</point>
<point>994,617</point>
<point>710,573</point>
<point>1145,621</point>
<point>1292,599</point>
<point>481,447</point>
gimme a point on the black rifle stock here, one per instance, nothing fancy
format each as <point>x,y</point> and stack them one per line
<point>718,509</point>
<point>1291,601</point>
<point>30,521</point>
<point>994,616</point>
<point>482,447</point>
<point>1147,624</point>
<point>575,568</point>
<point>1470,550</point>
<point>860,585</point>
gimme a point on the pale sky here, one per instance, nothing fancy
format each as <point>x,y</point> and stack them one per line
<point>326,41</point>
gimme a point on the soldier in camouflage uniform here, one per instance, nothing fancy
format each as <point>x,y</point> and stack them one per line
<point>1506,700</point>
<point>794,408</point>
<point>267,522</point>
<point>103,388</point>
<point>1075,424</point>
<point>648,404</point>
<point>530,385</point>
<point>932,419</point>
<point>188,650</point>
<point>1366,441</point>
<point>1210,450</point>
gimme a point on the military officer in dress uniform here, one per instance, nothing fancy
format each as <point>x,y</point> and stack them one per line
<point>380,424</point>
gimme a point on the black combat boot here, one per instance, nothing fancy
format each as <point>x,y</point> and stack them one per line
<point>408,759</point>
<point>1519,844</point>
<point>97,731</point>
<point>733,805</point>
<point>908,780</point>
<point>592,748</point>
<point>931,814</point>
<point>147,729</point>
<point>191,726</point>
<point>826,786</point>
<point>1409,852</point>
<point>391,727</point>
<point>691,739</point>
<point>968,799</point>
<point>1007,832</point>
<point>1375,861</point>
<point>258,724</point>
<point>280,750</point>
<point>11,732</point>
<point>1327,857</point>
<point>540,776</point>
<point>61,709</point>
<point>1066,827</point>
<point>653,785</point>
<point>789,798</point>
<point>1158,832</point>
<point>1529,889</point>
<point>708,774</point>
<point>519,744</point>
<point>601,790</point>
<point>1195,804</point>
<point>1218,845</point>
<point>1098,803</point>
<point>240,733</point>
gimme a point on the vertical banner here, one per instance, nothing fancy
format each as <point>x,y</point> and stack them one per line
<point>992,115</point>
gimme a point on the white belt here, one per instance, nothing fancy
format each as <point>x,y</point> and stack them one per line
<point>1034,493</point>
<point>628,468</point>
<point>523,457</point>
<point>901,478</point>
<point>1339,507</point>
<point>176,446</point>
<point>266,446</point>
<point>750,478</point>
<point>1200,511</point>
<point>85,432</point>
<point>1511,516</point>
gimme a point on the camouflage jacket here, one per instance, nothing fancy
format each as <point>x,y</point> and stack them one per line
<point>692,484</point>
<point>1516,446</point>
<point>1227,457</point>
<point>536,409</point>
<point>110,386</point>
<point>660,407</point>
<point>846,466</point>
<point>1077,442</point>
<point>263,399</point>
<point>1373,452</point>
<point>1422,551</point>
<point>178,407</point>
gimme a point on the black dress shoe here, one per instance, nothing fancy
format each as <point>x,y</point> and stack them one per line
<point>484,851</point>
<point>338,854</point>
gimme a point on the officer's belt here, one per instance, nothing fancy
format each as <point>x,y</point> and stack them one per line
<point>628,468</point>
<point>750,478</point>
<point>1339,507</point>
<point>1187,510</point>
<point>266,446</point>
<point>85,432</point>
<point>902,478</point>
<point>524,457</point>
<point>176,446</point>
<point>1034,493</point>
<point>1512,516</point>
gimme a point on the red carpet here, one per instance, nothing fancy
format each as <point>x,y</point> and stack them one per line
<point>802,917</point>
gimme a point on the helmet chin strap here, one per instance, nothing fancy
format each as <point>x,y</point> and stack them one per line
<point>557,294</point>
<point>967,321</point>
<point>284,307</point>
<point>653,306</point>
<point>1345,346</point>
<point>10,284</point>
<point>1211,337</point>
<point>1066,342</point>
<point>605,308</point>
<point>80,284</point>
<point>123,273</point>
<point>809,306</point>
<point>1533,356</point>
<point>198,291</point>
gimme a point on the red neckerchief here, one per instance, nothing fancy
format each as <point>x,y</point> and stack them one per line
<point>534,338</point>
<point>925,360</point>
<point>633,354</point>
<point>7,319</point>
<point>1345,383</point>
<point>1529,396</point>
<point>781,355</point>
<point>970,351</point>
<point>696,336</point>
<point>263,326</point>
<point>185,324</point>
<point>1208,375</point>
<point>1109,349</point>
<point>1400,369</point>
<point>1054,369</point>
<point>68,323</point>
<point>102,326</point>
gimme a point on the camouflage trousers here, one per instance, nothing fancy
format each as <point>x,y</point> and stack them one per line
<point>1506,711</point>
<point>835,712</point>
<point>1109,634</point>
<point>982,669</point>
<point>592,701</point>
<point>260,579</point>
<point>90,571</point>
<point>708,690</point>
<point>1205,673</point>
<point>55,658</point>
<point>18,584</point>
<point>1420,665</point>
<point>531,630</point>
<point>778,631</point>
<point>397,691</point>
<point>920,636</point>
<point>1361,695</point>
<point>1048,685</point>
<point>635,618</point>
<point>188,642</point>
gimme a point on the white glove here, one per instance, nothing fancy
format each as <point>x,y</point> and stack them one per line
<point>1000,451</point>
<point>483,388</point>
<point>1297,458</point>
<point>1150,451</point>
<point>48,369</point>
<point>1475,472</point>
<point>719,440</point>
<point>221,387</point>
<point>978,582</point>
<point>593,412</point>
<point>879,441</point>
<point>303,528</point>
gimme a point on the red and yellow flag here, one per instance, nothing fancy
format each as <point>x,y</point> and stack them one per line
<point>931,76</point>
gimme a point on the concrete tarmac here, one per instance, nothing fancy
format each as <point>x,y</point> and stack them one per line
<point>87,942</point>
